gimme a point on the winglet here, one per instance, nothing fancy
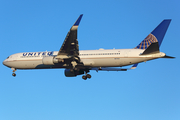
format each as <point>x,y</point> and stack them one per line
<point>78,20</point>
<point>153,48</point>
<point>134,66</point>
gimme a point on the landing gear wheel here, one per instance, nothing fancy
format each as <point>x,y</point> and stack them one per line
<point>84,77</point>
<point>88,76</point>
<point>14,74</point>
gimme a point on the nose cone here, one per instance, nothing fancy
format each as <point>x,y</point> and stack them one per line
<point>5,63</point>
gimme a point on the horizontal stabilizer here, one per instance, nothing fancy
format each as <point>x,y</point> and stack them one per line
<point>153,48</point>
<point>168,57</point>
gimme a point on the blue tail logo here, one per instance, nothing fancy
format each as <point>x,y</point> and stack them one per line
<point>147,42</point>
<point>156,35</point>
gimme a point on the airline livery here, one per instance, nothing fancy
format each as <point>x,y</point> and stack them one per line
<point>79,62</point>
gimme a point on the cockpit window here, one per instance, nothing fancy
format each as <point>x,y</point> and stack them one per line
<point>7,57</point>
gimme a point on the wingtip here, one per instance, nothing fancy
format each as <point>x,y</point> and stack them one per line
<point>78,20</point>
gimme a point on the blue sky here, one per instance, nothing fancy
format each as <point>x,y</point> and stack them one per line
<point>150,92</point>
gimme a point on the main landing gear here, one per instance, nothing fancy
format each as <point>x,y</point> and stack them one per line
<point>14,74</point>
<point>77,71</point>
<point>86,76</point>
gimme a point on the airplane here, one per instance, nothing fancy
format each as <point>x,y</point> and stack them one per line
<point>80,62</point>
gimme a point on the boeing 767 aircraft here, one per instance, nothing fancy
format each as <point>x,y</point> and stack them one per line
<point>78,62</point>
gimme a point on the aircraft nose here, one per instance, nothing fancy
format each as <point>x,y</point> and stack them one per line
<point>5,63</point>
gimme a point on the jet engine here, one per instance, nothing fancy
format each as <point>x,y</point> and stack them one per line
<point>50,60</point>
<point>68,73</point>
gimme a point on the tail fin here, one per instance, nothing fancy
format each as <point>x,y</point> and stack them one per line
<point>156,36</point>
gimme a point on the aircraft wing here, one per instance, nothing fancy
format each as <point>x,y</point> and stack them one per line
<point>70,45</point>
<point>114,68</point>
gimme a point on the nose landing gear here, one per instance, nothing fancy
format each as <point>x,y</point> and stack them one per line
<point>14,74</point>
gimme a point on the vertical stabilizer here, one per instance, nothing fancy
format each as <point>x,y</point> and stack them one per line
<point>156,35</point>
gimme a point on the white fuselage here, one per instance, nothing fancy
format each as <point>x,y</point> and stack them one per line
<point>93,58</point>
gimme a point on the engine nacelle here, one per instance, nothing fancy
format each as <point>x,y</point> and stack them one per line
<point>68,73</point>
<point>50,60</point>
